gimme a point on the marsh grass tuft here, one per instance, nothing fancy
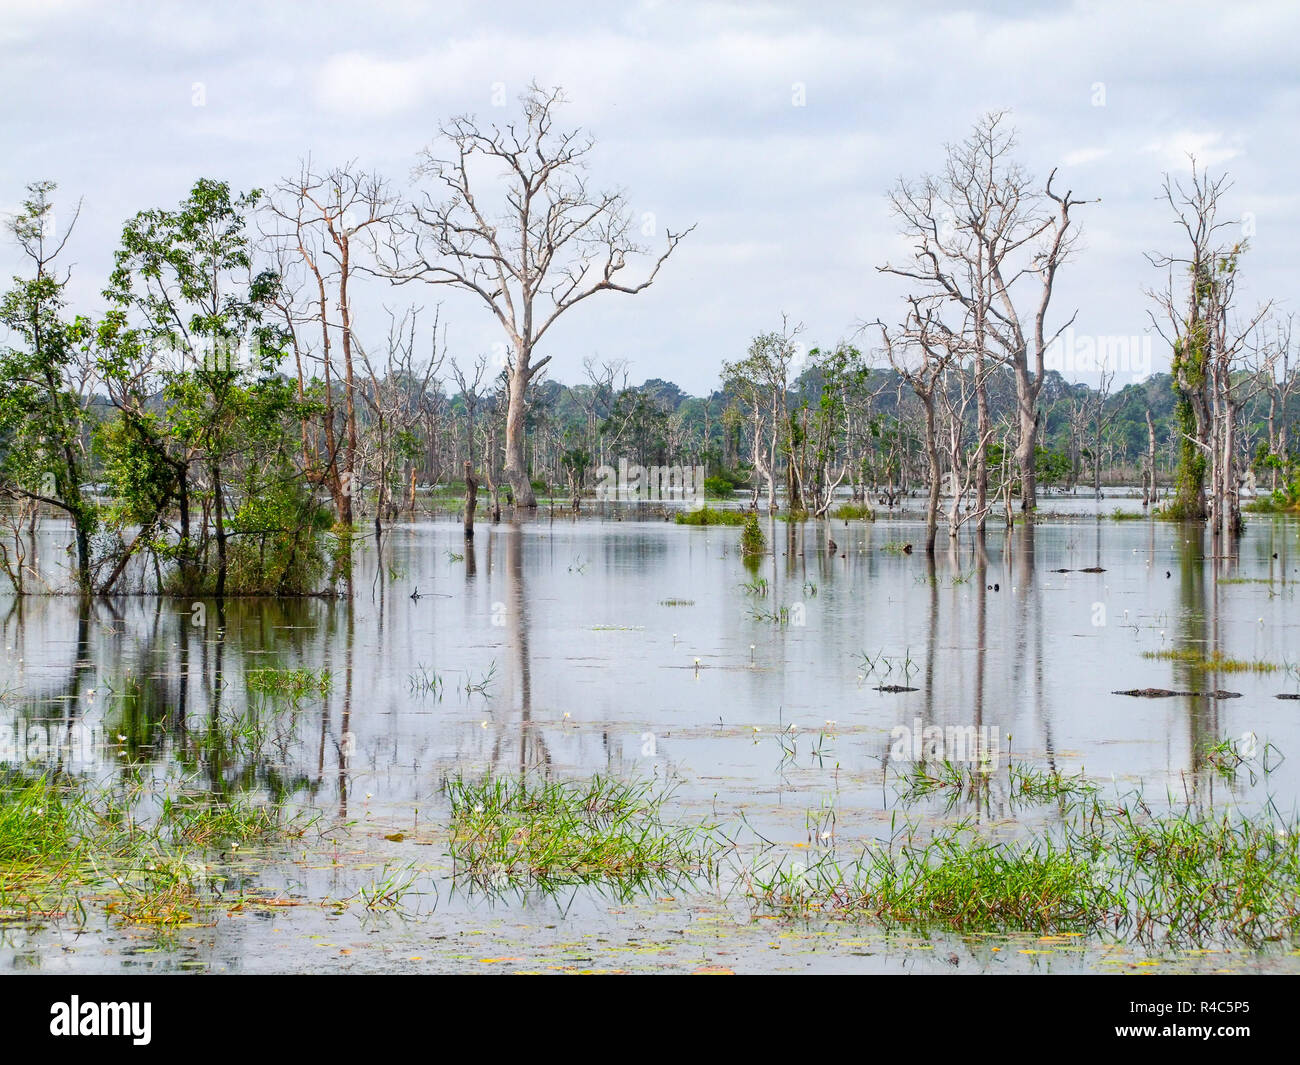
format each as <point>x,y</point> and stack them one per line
<point>290,683</point>
<point>1190,875</point>
<point>1214,662</point>
<point>530,831</point>
<point>710,516</point>
<point>146,857</point>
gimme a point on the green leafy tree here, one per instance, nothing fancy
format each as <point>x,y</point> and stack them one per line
<point>181,351</point>
<point>42,386</point>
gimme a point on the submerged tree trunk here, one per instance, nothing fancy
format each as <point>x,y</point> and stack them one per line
<point>1027,418</point>
<point>1149,482</point>
<point>516,425</point>
<point>932,453</point>
<point>471,499</point>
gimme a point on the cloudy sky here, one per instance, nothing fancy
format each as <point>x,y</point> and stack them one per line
<point>694,109</point>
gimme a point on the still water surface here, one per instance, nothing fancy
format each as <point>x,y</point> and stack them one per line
<point>649,650</point>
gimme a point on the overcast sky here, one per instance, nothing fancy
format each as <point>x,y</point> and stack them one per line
<point>693,107</point>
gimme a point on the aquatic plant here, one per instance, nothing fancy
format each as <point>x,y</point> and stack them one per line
<point>752,540</point>
<point>530,830</point>
<point>710,516</point>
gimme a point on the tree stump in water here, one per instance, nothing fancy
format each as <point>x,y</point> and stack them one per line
<point>471,500</point>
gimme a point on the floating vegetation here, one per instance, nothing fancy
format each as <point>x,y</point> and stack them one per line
<point>291,683</point>
<point>852,512</point>
<point>758,586</point>
<point>676,602</point>
<point>531,831</point>
<point>1215,661</point>
<point>710,516</point>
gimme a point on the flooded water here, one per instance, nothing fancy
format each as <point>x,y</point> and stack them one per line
<point>644,649</point>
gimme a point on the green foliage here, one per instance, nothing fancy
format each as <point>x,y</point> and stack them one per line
<point>752,540</point>
<point>1051,466</point>
<point>42,453</point>
<point>539,832</point>
<point>852,512</point>
<point>710,516</point>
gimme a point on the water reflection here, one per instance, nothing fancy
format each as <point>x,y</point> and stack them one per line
<point>592,620</point>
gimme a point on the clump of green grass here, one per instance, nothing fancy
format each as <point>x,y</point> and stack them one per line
<point>710,516</point>
<point>1031,784</point>
<point>853,512</point>
<point>144,857</point>
<point>529,831</point>
<point>1215,661</point>
<point>291,683</point>
<point>424,682</point>
<point>676,602</point>
<point>782,615</point>
<point>1120,514</point>
<point>952,880</point>
<point>1184,876</point>
<point>1025,784</point>
<point>752,540</point>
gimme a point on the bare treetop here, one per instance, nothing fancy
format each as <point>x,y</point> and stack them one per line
<point>549,236</point>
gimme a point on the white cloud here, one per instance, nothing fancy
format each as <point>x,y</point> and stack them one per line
<point>1177,151</point>
<point>358,84</point>
<point>1084,156</point>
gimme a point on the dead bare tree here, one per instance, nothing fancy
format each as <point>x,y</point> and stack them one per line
<point>920,351</point>
<point>550,243</point>
<point>325,220</point>
<point>1283,384</point>
<point>981,234</point>
<point>396,397</point>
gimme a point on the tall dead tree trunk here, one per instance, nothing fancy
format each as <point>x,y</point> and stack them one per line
<point>546,243</point>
